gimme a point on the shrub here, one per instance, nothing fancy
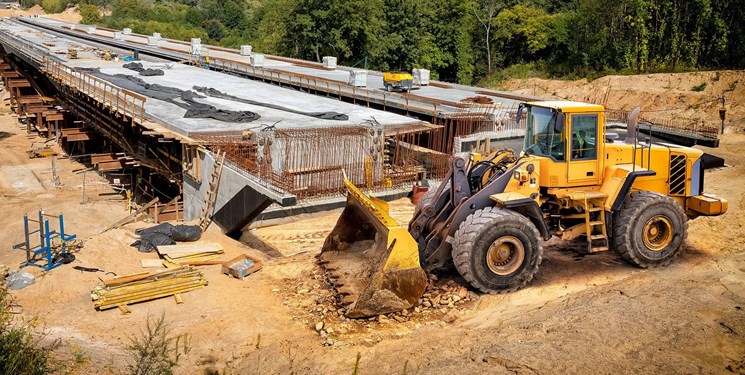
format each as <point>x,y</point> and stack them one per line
<point>89,14</point>
<point>699,88</point>
<point>53,6</point>
<point>21,352</point>
<point>153,350</point>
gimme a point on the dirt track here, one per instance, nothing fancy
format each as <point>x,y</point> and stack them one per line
<point>582,314</point>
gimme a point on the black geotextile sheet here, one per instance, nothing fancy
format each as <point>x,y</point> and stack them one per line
<point>165,234</point>
<point>173,95</point>
<point>147,72</point>
<point>187,99</point>
<point>322,115</point>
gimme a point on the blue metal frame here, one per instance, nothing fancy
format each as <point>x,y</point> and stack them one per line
<point>45,242</point>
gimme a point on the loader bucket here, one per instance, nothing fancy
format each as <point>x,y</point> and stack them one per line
<point>371,260</point>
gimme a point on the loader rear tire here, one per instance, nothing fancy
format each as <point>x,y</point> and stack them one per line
<point>497,250</point>
<point>649,230</point>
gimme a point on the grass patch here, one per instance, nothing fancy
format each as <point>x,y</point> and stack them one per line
<point>21,350</point>
<point>517,71</point>
<point>699,88</point>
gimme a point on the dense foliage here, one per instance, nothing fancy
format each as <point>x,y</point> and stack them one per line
<point>459,40</point>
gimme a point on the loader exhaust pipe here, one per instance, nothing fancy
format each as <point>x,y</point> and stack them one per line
<point>631,123</point>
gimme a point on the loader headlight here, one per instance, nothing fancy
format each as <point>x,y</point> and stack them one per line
<point>520,175</point>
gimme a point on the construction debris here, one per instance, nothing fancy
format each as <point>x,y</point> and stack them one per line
<point>165,234</point>
<point>19,280</point>
<point>242,266</point>
<point>125,290</point>
<point>198,253</point>
<point>132,216</point>
<point>41,152</point>
<point>478,99</point>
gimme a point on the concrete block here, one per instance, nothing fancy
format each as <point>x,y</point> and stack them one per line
<point>196,46</point>
<point>245,50</point>
<point>118,35</point>
<point>257,60</point>
<point>127,31</point>
<point>152,41</point>
<point>91,30</point>
<point>156,35</point>
<point>329,62</point>
<point>421,76</point>
<point>358,78</point>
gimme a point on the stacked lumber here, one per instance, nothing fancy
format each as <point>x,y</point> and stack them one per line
<point>145,286</point>
<point>195,253</point>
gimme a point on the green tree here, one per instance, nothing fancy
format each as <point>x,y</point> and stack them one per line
<point>89,14</point>
<point>53,6</point>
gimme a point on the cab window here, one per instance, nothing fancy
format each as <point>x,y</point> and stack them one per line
<point>544,133</point>
<point>584,136</point>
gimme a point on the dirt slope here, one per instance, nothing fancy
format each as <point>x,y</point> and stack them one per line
<point>71,14</point>
<point>664,95</point>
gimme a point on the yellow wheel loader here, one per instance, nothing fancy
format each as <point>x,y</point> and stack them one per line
<point>488,216</point>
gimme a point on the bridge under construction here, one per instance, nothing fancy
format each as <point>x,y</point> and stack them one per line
<point>160,116</point>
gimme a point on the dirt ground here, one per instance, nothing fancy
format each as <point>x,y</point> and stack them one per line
<point>71,14</point>
<point>582,313</point>
<point>663,96</point>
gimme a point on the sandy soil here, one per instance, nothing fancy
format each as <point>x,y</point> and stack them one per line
<point>664,96</point>
<point>582,314</point>
<point>71,14</point>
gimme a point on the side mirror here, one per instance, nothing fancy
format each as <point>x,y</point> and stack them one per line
<point>559,124</point>
<point>519,115</point>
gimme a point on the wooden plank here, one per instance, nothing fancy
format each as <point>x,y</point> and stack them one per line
<point>35,108</point>
<point>79,137</point>
<point>151,263</point>
<point>132,216</point>
<point>110,165</point>
<point>18,83</point>
<point>126,279</point>
<point>201,262</point>
<point>97,158</point>
<point>55,117</point>
<point>194,247</point>
<point>178,258</point>
<point>10,74</point>
<point>29,99</point>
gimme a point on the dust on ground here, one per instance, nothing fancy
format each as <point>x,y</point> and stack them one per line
<point>581,313</point>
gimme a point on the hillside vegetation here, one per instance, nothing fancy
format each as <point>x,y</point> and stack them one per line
<point>462,41</point>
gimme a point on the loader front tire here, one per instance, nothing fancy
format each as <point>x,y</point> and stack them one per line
<point>497,250</point>
<point>649,230</point>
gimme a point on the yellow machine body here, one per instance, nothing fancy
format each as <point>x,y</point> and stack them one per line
<point>569,181</point>
<point>676,171</point>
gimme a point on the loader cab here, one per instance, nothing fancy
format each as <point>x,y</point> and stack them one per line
<point>567,138</point>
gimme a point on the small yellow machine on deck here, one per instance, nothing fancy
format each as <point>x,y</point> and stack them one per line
<point>402,81</point>
<point>489,215</point>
